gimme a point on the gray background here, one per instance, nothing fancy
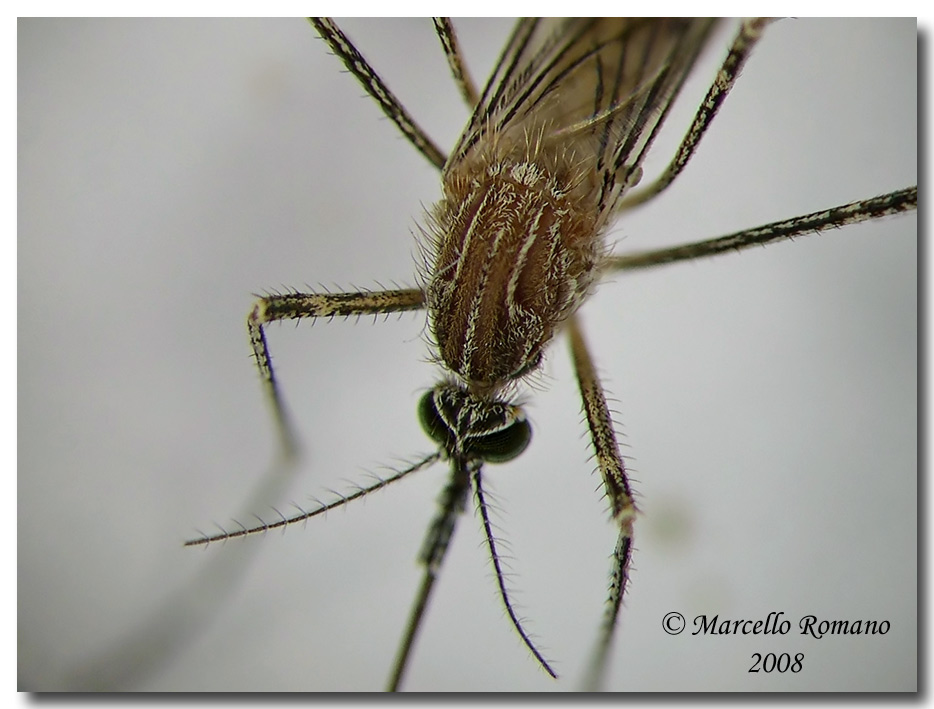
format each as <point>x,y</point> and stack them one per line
<point>169,169</point>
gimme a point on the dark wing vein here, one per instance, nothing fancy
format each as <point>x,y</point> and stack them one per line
<point>595,88</point>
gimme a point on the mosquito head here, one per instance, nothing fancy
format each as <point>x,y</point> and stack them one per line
<point>466,426</point>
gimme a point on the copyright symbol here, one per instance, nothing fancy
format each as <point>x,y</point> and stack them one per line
<point>673,623</point>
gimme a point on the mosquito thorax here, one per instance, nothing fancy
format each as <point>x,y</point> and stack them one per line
<point>464,425</point>
<point>515,254</point>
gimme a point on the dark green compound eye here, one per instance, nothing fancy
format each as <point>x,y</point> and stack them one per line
<point>431,421</point>
<point>503,445</point>
<point>504,440</point>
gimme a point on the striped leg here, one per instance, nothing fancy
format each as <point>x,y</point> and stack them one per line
<point>296,306</point>
<point>749,33</point>
<point>813,223</point>
<point>617,491</point>
<point>357,65</point>
<point>452,51</point>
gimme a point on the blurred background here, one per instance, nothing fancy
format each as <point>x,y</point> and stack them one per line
<point>169,169</point>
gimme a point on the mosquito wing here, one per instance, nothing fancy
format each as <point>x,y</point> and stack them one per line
<point>587,91</point>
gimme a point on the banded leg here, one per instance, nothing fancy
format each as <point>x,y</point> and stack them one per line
<point>296,306</point>
<point>175,623</point>
<point>617,487</point>
<point>815,222</point>
<point>448,37</point>
<point>358,66</point>
<point>749,33</point>
<point>432,554</point>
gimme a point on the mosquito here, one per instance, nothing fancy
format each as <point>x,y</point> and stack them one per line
<point>551,157</point>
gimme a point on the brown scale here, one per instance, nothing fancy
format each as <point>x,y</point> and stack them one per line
<point>516,253</point>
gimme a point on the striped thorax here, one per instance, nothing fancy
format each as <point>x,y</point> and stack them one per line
<point>515,256</point>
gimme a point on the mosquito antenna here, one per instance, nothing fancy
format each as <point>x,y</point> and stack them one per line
<point>500,577</point>
<point>304,515</point>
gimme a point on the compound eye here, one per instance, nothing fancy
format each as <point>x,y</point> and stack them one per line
<point>431,421</point>
<point>501,432</point>
<point>504,445</point>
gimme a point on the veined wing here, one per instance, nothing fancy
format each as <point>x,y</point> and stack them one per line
<point>592,90</point>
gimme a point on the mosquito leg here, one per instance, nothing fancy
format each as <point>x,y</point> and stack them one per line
<point>452,51</point>
<point>173,625</point>
<point>749,33</point>
<point>341,45</point>
<point>500,579</point>
<point>617,487</point>
<point>432,554</point>
<point>815,222</point>
<point>295,306</point>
